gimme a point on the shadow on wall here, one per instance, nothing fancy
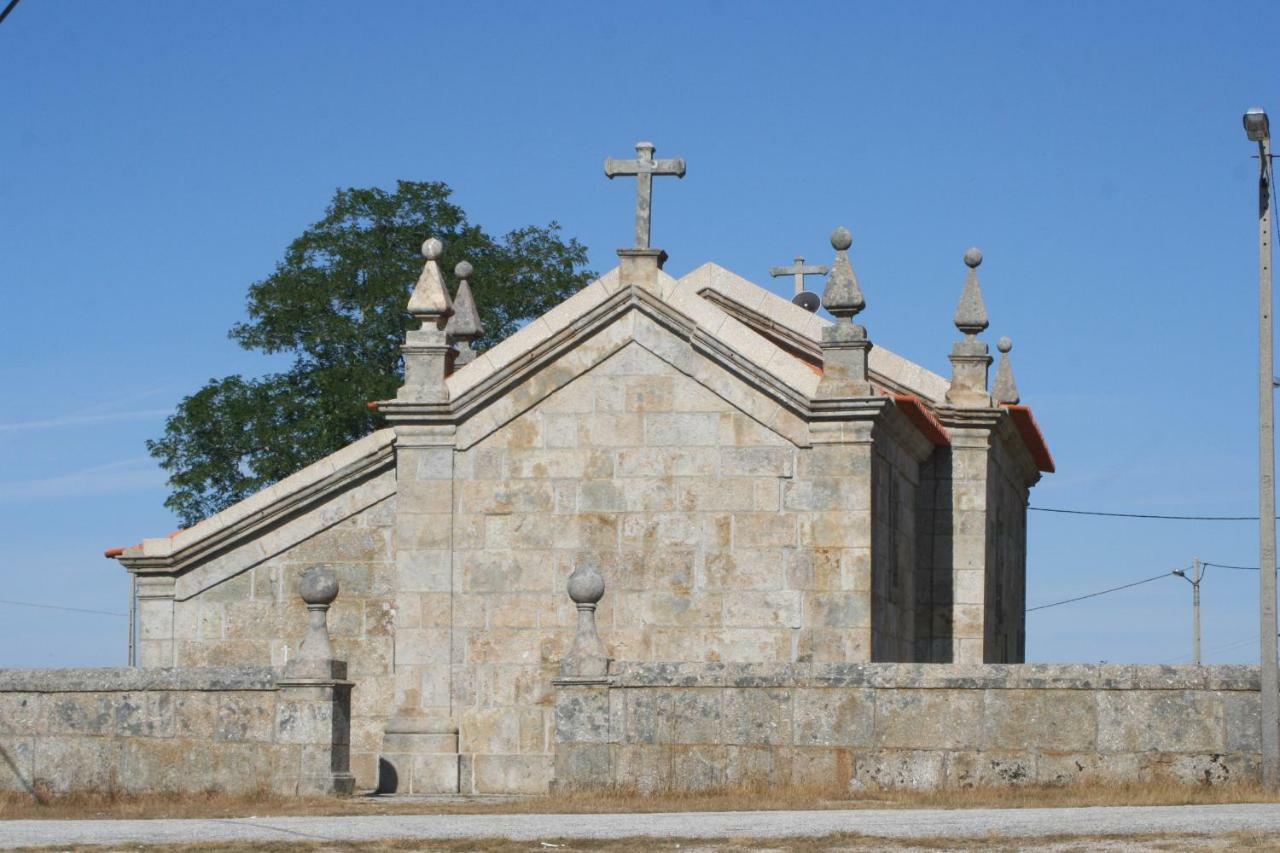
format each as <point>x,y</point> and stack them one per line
<point>17,774</point>
<point>388,779</point>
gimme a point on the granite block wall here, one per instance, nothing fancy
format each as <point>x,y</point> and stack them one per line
<point>718,538</point>
<point>147,731</point>
<point>853,726</point>
<point>255,618</point>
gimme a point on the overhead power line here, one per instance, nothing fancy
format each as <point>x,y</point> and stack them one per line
<point>60,607</point>
<point>7,10</point>
<point>1145,515</point>
<point>1100,592</point>
<point>1237,568</point>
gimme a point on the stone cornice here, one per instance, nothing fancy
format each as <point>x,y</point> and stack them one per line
<point>771,315</point>
<point>626,674</point>
<point>135,679</point>
<point>243,521</point>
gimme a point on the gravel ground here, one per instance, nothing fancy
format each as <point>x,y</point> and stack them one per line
<point>896,823</point>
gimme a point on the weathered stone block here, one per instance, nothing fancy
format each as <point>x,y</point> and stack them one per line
<point>757,716</point>
<point>698,768</point>
<point>834,717</point>
<point>582,715</point>
<point>646,768</point>
<point>1052,720</point>
<point>764,530</point>
<point>513,774</point>
<point>913,769</point>
<point>757,462</point>
<point>928,719</point>
<point>693,716</point>
<point>583,765</point>
<point>1243,714</point>
<point>1165,720</point>
<point>966,769</point>
<point>779,608</point>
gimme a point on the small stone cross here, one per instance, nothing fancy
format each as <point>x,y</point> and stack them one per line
<point>799,270</point>
<point>644,167</point>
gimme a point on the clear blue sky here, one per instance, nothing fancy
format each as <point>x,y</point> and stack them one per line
<point>157,157</point>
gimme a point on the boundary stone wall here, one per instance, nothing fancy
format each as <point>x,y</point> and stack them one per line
<point>851,726</point>
<point>172,730</point>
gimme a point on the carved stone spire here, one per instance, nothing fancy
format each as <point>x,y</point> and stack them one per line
<point>430,299</point>
<point>1006,389</point>
<point>464,326</point>
<point>426,349</point>
<point>970,358</point>
<point>844,345</point>
<point>971,313</point>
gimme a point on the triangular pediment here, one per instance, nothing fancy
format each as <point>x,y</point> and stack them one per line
<point>605,316</point>
<point>747,388</point>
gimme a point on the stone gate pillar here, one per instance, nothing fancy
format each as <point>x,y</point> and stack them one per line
<point>314,708</point>
<point>420,744</point>
<point>971,420</point>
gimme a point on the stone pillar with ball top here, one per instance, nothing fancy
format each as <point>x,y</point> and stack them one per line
<point>583,757</point>
<point>846,412</point>
<point>971,420</point>
<point>313,714</point>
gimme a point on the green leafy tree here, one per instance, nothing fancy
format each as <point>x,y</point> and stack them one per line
<point>336,303</point>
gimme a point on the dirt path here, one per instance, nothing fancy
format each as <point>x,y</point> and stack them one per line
<point>897,823</point>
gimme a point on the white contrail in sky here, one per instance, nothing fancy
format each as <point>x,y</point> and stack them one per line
<point>127,475</point>
<point>84,419</point>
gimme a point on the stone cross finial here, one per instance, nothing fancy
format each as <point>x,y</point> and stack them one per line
<point>464,326</point>
<point>808,301</point>
<point>799,270</point>
<point>1006,389</point>
<point>970,358</point>
<point>588,657</point>
<point>430,299</point>
<point>318,588</point>
<point>845,346</point>
<point>644,167</point>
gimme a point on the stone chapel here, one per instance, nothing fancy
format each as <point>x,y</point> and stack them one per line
<point>753,482</point>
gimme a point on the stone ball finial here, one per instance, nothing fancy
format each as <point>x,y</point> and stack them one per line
<point>972,258</point>
<point>585,585</point>
<point>463,270</point>
<point>432,249</point>
<point>1005,344</point>
<point>841,239</point>
<point>319,585</point>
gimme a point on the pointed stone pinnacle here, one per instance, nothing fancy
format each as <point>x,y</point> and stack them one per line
<point>843,298</point>
<point>971,313</point>
<point>430,299</point>
<point>465,321</point>
<point>1006,389</point>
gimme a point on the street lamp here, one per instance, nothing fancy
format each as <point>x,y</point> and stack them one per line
<point>1256,125</point>
<point>1257,128</point>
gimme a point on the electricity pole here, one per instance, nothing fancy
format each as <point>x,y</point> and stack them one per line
<point>1197,573</point>
<point>1258,130</point>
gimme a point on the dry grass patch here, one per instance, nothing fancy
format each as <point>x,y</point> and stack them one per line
<point>1238,841</point>
<point>219,805</point>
